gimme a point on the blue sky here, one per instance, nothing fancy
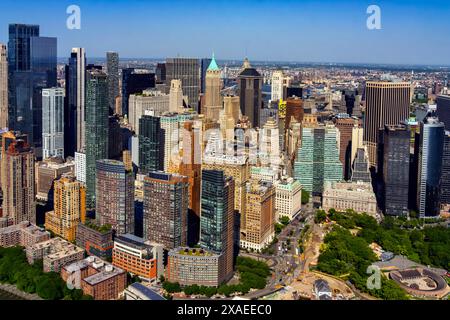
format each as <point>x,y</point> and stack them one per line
<point>413,32</point>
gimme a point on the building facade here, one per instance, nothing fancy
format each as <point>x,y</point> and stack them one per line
<point>3,86</point>
<point>250,92</point>
<point>53,122</point>
<point>288,197</point>
<point>112,69</point>
<point>151,144</point>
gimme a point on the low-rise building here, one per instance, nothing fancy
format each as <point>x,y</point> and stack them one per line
<point>96,278</point>
<point>144,259</point>
<point>96,240</point>
<point>55,253</point>
<point>322,290</point>
<point>195,266</point>
<point>23,234</point>
<point>358,196</point>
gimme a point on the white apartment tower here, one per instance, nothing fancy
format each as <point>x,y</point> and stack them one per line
<point>53,122</point>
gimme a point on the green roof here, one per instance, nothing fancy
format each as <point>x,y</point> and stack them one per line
<point>213,65</point>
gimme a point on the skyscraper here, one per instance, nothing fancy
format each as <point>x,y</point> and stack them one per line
<point>97,111</point>
<point>387,103</point>
<point>53,122</point>
<point>277,85</point>
<point>250,89</point>
<point>213,99</point>
<point>443,110</point>
<point>187,70</point>
<point>166,202</point>
<point>170,125</point>
<point>74,112</point>
<point>430,153</point>
<point>445,194</point>
<point>115,195</point>
<point>361,168</point>
<point>18,185</point>
<point>345,126</point>
<point>217,217</point>
<point>151,144</point>
<point>135,81</point>
<point>393,166</point>
<point>175,96</point>
<point>69,208</point>
<point>3,87</point>
<point>317,159</point>
<point>112,69</point>
<point>205,62</point>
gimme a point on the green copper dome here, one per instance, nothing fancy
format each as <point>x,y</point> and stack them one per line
<point>213,65</point>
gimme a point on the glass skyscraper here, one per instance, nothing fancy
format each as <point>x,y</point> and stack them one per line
<point>135,81</point>
<point>97,125</point>
<point>430,148</point>
<point>318,158</point>
<point>53,122</point>
<point>112,69</point>
<point>151,144</point>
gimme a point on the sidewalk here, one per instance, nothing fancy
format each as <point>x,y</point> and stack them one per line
<point>13,290</point>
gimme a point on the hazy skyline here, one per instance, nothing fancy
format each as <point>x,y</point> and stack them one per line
<point>413,32</point>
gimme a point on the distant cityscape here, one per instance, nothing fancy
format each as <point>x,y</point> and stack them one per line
<point>182,178</point>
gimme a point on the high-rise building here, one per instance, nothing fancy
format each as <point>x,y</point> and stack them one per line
<point>250,92</point>
<point>288,197</point>
<point>170,125</point>
<point>74,109</point>
<point>187,70</point>
<point>269,152</point>
<point>47,172</point>
<point>3,87</point>
<point>260,215</point>
<point>153,102</point>
<point>115,196</point>
<point>445,188</point>
<point>318,157</point>
<point>80,166</point>
<point>345,126</point>
<point>443,110</point>
<point>430,154</point>
<point>205,62</point>
<point>97,111</point>
<point>294,109</point>
<point>213,99</point>
<point>387,103</point>
<point>217,217</point>
<point>361,167</point>
<point>69,208</point>
<point>112,69</point>
<point>53,122</point>
<point>166,203</point>
<point>229,117</point>
<point>393,166</point>
<point>18,182</point>
<point>175,96</point>
<point>115,137</point>
<point>191,167</point>
<point>135,81</point>
<point>161,73</point>
<point>277,85</point>
<point>151,144</point>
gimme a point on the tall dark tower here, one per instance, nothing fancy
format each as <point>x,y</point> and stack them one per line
<point>250,90</point>
<point>151,144</point>
<point>112,69</point>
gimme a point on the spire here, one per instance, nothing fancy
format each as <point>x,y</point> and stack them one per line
<point>213,65</point>
<point>246,63</point>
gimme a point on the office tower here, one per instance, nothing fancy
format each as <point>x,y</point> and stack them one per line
<point>294,91</point>
<point>318,157</point>
<point>151,144</point>
<point>175,96</point>
<point>69,208</point>
<point>213,99</point>
<point>190,167</point>
<point>345,126</point>
<point>112,69</point>
<point>229,117</point>
<point>443,110</point>
<point>18,181</point>
<point>393,167</point>
<point>204,67</point>
<point>445,188</point>
<point>47,172</point>
<point>357,141</point>
<point>114,203</point>
<point>115,137</point>
<point>361,168</point>
<point>250,92</point>
<point>74,112</point>
<point>160,73</point>
<point>217,217</point>
<point>135,81</point>
<point>170,125</point>
<point>294,109</point>
<point>277,85</point>
<point>80,166</point>
<point>260,215</point>
<point>152,102</point>
<point>288,197</point>
<point>166,202</point>
<point>269,145</point>
<point>3,87</point>
<point>97,112</point>
<point>387,103</point>
<point>430,153</point>
<point>53,122</point>
<point>186,70</point>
